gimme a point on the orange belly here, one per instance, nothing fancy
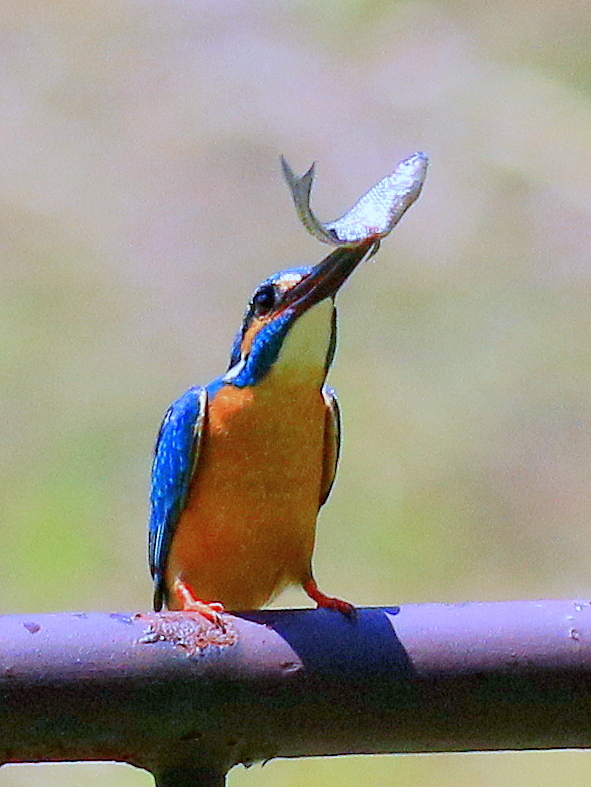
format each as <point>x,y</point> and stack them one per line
<point>249,525</point>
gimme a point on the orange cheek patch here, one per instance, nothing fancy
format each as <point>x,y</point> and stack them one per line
<point>252,331</point>
<point>257,324</point>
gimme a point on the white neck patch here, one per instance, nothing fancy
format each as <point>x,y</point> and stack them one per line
<point>306,345</point>
<point>233,373</point>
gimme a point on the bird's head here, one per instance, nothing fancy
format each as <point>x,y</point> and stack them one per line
<point>290,321</point>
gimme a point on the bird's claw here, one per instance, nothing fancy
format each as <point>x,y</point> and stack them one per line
<point>329,602</point>
<point>194,607</point>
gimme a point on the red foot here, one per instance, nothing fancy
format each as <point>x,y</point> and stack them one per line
<point>211,611</point>
<point>329,602</point>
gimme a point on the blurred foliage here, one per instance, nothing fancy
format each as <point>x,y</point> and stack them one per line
<point>141,202</point>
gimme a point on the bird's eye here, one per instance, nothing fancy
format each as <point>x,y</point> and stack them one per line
<point>264,300</point>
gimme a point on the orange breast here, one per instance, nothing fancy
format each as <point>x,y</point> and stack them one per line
<point>249,526</point>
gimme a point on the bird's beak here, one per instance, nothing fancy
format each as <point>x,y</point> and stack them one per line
<point>326,278</point>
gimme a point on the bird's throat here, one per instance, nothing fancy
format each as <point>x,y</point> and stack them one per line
<point>306,346</point>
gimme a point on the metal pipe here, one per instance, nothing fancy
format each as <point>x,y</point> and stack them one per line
<point>428,678</point>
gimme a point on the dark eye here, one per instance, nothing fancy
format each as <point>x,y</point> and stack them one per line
<point>264,299</point>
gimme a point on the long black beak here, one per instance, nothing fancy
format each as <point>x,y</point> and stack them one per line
<point>326,278</point>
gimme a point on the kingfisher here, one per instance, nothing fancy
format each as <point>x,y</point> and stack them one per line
<point>243,465</point>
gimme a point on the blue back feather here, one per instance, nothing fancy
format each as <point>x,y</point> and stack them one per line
<point>172,468</point>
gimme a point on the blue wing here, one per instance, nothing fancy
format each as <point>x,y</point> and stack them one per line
<point>175,456</point>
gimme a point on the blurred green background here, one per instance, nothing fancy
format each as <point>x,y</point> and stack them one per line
<point>142,201</point>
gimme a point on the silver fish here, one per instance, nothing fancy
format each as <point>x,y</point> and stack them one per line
<point>373,216</point>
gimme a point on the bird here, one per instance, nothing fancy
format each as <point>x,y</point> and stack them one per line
<point>242,466</point>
